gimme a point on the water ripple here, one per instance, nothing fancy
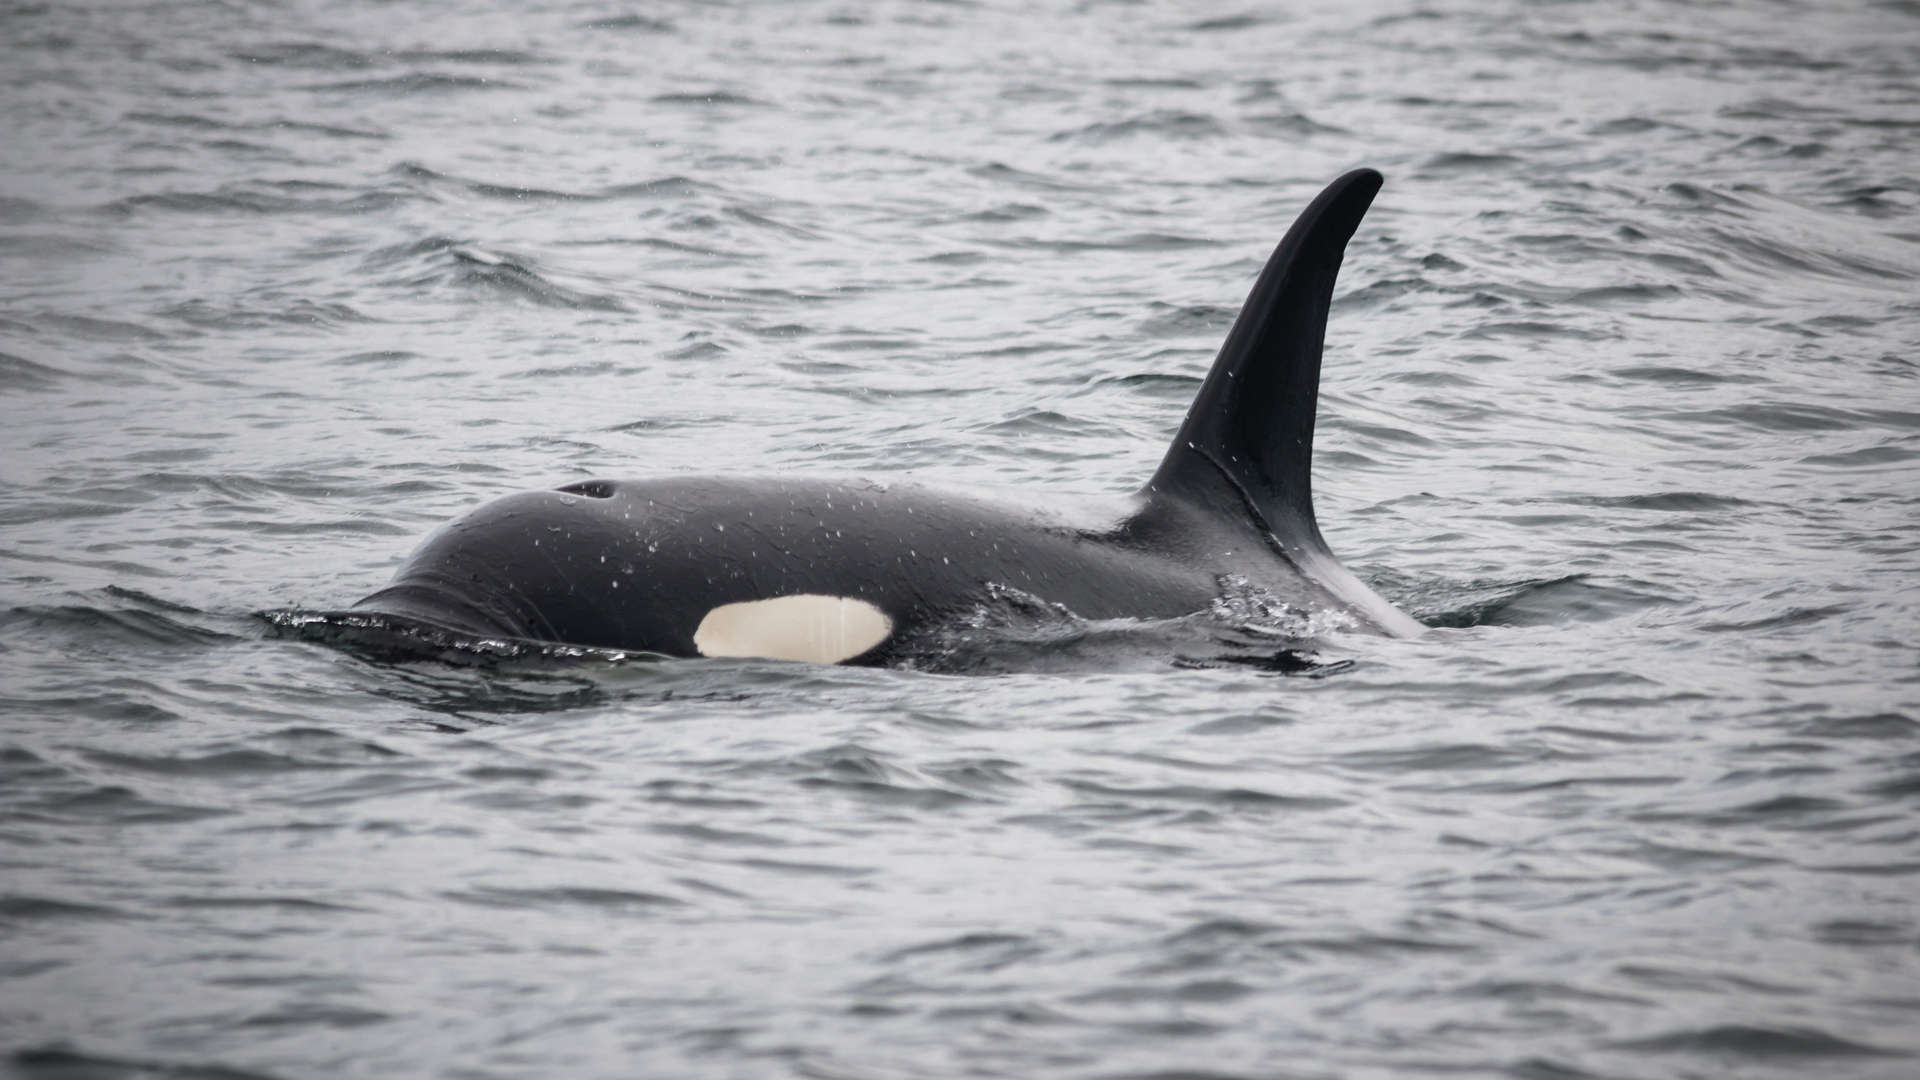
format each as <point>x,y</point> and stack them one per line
<point>1617,398</point>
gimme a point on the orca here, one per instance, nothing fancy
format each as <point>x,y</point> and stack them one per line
<point>850,571</point>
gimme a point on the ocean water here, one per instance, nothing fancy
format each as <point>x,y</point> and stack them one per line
<point>1620,398</point>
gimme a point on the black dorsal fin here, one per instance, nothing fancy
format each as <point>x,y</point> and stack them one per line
<point>1248,438</point>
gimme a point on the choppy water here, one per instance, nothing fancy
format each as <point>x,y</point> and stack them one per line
<point>1621,396</point>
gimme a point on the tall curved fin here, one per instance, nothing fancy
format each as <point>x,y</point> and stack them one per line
<point>1248,438</point>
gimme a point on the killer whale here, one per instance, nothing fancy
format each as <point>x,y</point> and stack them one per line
<point>857,571</point>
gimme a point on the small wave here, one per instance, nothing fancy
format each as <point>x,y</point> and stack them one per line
<point>1624,296</point>
<point>707,834</point>
<point>179,121</point>
<point>313,1015</point>
<point>333,131</point>
<point>1681,376</point>
<point>1048,423</point>
<point>1464,162</point>
<point>629,23</point>
<point>15,209</point>
<point>1794,416</point>
<point>1625,125</point>
<point>601,900</point>
<point>433,180</point>
<point>567,371</point>
<point>787,229</point>
<point>18,908</point>
<point>1671,501</point>
<point>1007,174</point>
<point>1886,725</point>
<point>94,328</point>
<point>709,99</point>
<point>1532,330</point>
<point>1161,385</point>
<point>426,177</point>
<point>1530,602</point>
<point>1766,146</point>
<point>1694,196</point>
<point>502,57</point>
<point>301,904</point>
<point>252,316</point>
<point>1864,458</point>
<point>112,804</point>
<point>1233,798</point>
<point>100,626</point>
<point>63,1063</point>
<point>1864,932</point>
<point>1225,23</point>
<point>664,187</point>
<point>1383,291</point>
<point>1149,82</point>
<point>1797,812</point>
<point>261,198</point>
<point>1775,108</point>
<point>1168,321</point>
<point>309,55</point>
<point>222,764</point>
<point>1457,757</point>
<point>1793,616</point>
<point>1771,255</point>
<point>1166,124</point>
<point>1758,1043</point>
<point>1376,434</point>
<point>1149,241</point>
<point>415,84</point>
<point>853,769</point>
<point>20,373</point>
<point>439,260</point>
<point>703,251</point>
<point>956,258</point>
<point>972,952</point>
<point>1005,213</point>
<point>1294,124</point>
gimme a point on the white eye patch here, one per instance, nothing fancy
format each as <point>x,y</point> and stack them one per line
<point>817,629</point>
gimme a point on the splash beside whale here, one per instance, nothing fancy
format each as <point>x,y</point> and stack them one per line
<point>860,572</point>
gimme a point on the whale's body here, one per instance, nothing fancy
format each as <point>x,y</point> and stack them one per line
<point>859,571</point>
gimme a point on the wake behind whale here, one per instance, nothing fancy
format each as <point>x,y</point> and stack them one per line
<point>865,573</point>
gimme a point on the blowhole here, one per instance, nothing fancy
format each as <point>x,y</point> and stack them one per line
<point>592,489</point>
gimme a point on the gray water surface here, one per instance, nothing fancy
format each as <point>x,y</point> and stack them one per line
<point>1621,397</point>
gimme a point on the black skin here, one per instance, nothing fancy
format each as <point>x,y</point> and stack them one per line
<point>636,565</point>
